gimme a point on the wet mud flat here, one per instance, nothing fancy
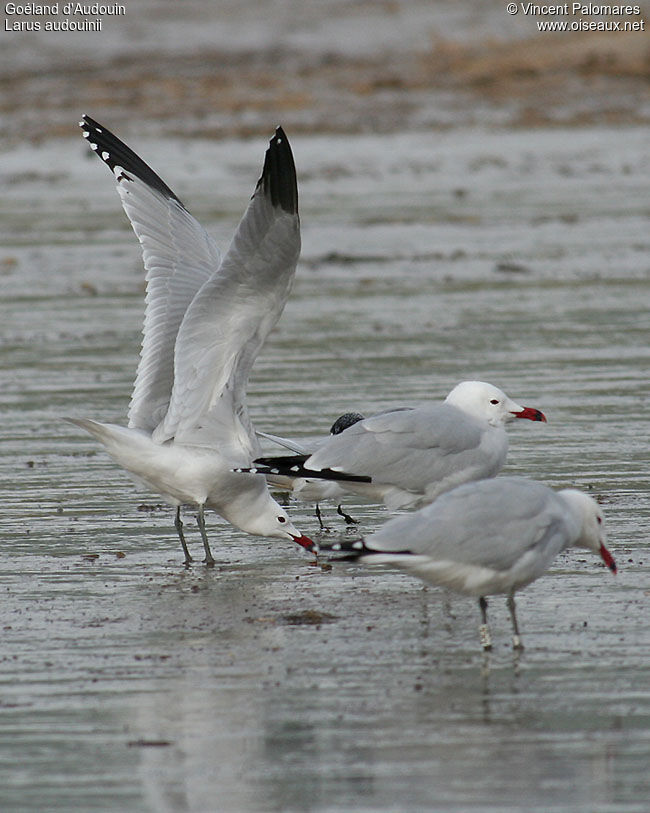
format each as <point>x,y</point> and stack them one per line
<point>273,685</point>
<point>269,683</point>
<point>224,69</point>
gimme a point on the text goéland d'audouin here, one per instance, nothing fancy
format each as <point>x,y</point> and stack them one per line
<point>70,9</point>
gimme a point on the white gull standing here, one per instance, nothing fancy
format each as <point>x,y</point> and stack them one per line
<point>206,319</point>
<point>487,537</point>
<point>405,458</point>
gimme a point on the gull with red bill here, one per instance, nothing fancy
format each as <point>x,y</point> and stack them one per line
<point>405,458</point>
<point>486,538</point>
<point>206,319</point>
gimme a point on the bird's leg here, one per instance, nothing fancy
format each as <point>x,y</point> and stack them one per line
<point>200,520</point>
<point>516,640</point>
<point>483,630</point>
<point>319,518</point>
<point>348,519</point>
<point>446,605</point>
<point>178,524</point>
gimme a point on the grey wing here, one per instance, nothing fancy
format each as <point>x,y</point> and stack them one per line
<point>230,317</point>
<point>285,443</point>
<point>489,523</point>
<point>405,448</point>
<point>179,256</point>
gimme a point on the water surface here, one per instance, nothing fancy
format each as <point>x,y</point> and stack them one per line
<point>130,683</point>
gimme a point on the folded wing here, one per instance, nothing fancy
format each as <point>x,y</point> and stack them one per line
<point>405,448</point>
<point>489,523</point>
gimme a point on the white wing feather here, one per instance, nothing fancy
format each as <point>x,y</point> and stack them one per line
<point>179,256</point>
<point>230,317</point>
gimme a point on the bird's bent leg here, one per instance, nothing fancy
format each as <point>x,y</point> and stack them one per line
<point>178,524</point>
<point>348,519</point>
<point>516,640</point>
<point>483,630</point>
<point>200,520</point>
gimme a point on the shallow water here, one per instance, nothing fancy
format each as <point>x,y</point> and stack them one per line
<point>130,683</point>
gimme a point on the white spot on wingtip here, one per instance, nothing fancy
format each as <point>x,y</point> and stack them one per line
<point>86,134</point>
<point>93,147</point>
<point>357,545</point>
<point>106,155</point>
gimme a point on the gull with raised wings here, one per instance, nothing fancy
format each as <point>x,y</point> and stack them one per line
<point>206,319</point>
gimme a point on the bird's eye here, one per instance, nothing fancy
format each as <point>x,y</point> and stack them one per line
<point>282,519</point>
<point>494,401</point>
<point>599,520</point>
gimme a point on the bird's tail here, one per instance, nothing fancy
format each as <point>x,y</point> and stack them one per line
<point>294,466</point>
<point>98,430</point>
<point>128,447</point>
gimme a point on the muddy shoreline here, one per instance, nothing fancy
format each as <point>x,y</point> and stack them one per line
<point>225,74</point>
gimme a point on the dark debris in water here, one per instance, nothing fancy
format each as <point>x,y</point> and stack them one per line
<point>306,618</point>
<point>92,557</point>
<point>511,268</point>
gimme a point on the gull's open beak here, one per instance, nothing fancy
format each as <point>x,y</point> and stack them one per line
<point>530,413</point>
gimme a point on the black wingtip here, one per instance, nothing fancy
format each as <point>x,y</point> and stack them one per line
<point>294,466</point>
<point>115,153</point>
<point>344,550</point>
<point>278,178</point>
